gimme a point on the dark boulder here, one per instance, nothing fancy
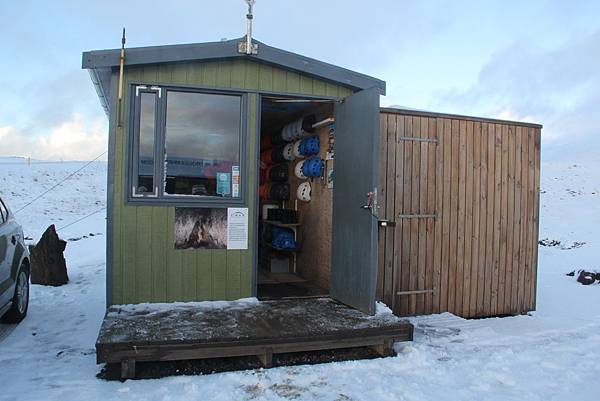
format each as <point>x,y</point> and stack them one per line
<point>48,265</point>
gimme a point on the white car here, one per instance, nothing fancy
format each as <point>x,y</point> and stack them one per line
<point>14,268</point>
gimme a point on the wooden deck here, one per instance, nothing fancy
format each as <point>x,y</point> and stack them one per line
<point>163,332</point>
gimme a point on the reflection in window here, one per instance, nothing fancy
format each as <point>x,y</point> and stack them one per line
<point>202,144</point>
<point>145,178</point>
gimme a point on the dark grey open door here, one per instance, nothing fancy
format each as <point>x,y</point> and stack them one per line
<point>354,245</point>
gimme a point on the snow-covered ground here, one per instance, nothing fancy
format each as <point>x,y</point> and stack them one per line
<point>554,354</point>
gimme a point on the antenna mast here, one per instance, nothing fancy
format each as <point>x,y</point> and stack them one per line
<point>247,47</point>
<point>121,65</point>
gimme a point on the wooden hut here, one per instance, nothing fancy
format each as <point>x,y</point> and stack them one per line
<point>221,186</point>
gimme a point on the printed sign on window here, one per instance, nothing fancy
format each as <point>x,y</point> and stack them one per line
<point>235,181</point>
<point>223,184</point>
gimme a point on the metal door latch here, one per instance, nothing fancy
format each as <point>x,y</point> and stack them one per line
<point>370,200</point>
<point>386,223</point>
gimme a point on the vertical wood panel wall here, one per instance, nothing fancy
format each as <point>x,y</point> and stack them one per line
<point>144,265</point>
<point>464,194</point>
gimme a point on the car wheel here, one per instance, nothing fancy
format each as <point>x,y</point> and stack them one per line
<point>20,301</point>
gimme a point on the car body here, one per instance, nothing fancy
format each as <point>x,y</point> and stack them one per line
<point>14,267</point>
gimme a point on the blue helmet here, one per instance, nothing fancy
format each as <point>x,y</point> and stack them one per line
<point>313,167</point>
<point>309,146</point>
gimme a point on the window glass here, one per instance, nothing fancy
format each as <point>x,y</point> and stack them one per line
<point>145,178</point>
<point>202,144</point>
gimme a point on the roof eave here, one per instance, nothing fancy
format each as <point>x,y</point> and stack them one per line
<point>107,59</point>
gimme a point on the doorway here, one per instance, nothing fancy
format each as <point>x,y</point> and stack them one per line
<point>295,197</point>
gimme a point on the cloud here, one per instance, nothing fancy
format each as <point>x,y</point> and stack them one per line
<point>557,88</point>
<point>74,139</point>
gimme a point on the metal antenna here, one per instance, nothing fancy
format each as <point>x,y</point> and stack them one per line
<point>121,65</point>
<point>248,47</point>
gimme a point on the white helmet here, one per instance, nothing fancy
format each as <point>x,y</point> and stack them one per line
<point>303,191</point>
<point>296,149</point>
<point>298,170</point>
<point>285,133</point>
<point>288,152</point>
<point>298,129</point>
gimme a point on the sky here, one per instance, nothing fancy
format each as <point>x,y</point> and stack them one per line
<point>534,61</point>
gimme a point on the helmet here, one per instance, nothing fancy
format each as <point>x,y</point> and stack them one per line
<point>309,146</point>
<point>307,123</point>
<point>278,191</point>
<point>278,172</point>
<point>288,152</point>
<point>296,149</point>
<point>298,170</point>
<point>285,133</point>
<point>303,191</point>
<point>313,167</point>
<point>283,238</point>
<point>298,131</point>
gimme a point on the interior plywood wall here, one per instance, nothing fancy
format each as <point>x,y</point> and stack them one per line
<point>480,179</point>
<point>314,259</point>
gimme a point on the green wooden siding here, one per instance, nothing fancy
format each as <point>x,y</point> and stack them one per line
<point>145,265</point>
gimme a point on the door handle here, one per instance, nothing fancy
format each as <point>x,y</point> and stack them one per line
<point>13,240</point>
<point>370,201</point>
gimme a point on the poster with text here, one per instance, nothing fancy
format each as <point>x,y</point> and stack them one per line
<point>211,228</point>
<point>237,228</point>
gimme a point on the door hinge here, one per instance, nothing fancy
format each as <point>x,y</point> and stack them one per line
<point>415,292</point>
<point>418,139</point>
<point>417,216</point>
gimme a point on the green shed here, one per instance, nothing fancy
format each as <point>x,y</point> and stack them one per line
<point>211,195</point>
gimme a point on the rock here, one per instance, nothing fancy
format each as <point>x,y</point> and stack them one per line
<point>586,278</point>
<point>48,265</point>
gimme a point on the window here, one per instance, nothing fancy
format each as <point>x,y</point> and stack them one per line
<point>144,140</point>
<point>198,137</point>
<point>202,141</point>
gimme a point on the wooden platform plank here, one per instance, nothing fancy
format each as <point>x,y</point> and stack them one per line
<point>159,332</point>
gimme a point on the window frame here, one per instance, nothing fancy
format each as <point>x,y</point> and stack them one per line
<point>162,198</point>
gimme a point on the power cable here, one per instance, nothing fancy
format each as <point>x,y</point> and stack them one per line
<point>60,182</point>
<point>80,219</point>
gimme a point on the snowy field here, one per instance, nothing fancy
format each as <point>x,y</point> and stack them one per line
<point>554,354</point>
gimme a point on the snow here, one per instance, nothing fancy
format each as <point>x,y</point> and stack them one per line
<point>553,354</point>
<point>159,307</point>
